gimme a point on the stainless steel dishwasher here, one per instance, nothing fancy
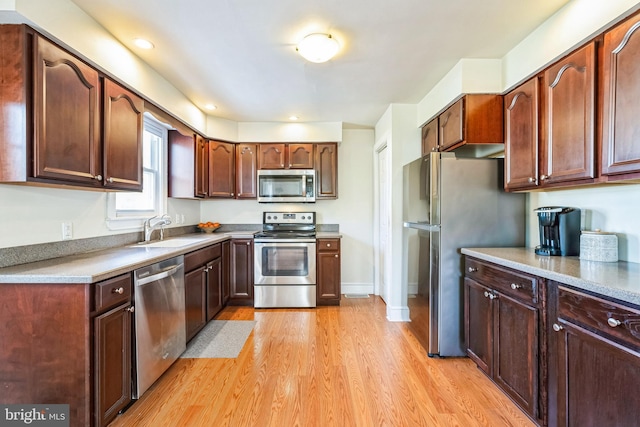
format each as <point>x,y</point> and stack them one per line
<point>159,320</point>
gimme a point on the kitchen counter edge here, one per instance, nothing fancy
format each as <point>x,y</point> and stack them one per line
<point>619,280</point>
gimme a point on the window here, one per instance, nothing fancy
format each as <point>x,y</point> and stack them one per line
<point>130,209</point>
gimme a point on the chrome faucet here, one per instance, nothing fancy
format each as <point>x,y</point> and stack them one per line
<point>153,223</point>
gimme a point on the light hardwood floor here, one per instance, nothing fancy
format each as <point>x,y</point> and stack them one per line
<point>329,366</point>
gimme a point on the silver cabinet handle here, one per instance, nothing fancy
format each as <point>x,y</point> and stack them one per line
<point>98,177</point>
<point>493,296</point>
<point>336,255</point>
<point>472,269</point>
<point>515,286</point>
<point>248,243</point>
<point>544,177</point>
<point>531,179</point>
<point>557,327</point>
<point>613,322</point>
<point>131,309</point>
<point>486,294</point>
<point>110,180</point>
<point>328,245</point>
<point>119,290</point>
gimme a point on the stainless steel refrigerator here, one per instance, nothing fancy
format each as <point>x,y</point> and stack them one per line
<point>450,203</point>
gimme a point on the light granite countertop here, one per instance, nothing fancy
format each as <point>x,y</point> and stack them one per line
<point>99,265</point>
<point>328,235</point>
<point>619,280</point>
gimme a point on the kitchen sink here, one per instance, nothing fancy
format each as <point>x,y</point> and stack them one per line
<point>170,243</point>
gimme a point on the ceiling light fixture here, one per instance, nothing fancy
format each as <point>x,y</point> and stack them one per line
<point>318,47</point>
<point>210,107</point>
<point>293,118</point>
<point>143,44</point>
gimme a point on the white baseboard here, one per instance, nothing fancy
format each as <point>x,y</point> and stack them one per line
<point>412,288</point>
<point>357,288</point>
<point>398,314</point>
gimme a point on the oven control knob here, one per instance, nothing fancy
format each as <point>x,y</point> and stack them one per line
<point>302,216</point>
<point>275,217</point>
<point>269,217</point>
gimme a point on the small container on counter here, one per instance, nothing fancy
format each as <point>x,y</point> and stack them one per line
<point>598,246</point>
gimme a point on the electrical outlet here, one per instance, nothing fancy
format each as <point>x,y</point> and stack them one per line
<point>177,221</point>
<point>181,218</point>
<point>67,231</point>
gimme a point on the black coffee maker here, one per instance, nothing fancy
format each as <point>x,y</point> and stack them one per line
<point>559,231</point>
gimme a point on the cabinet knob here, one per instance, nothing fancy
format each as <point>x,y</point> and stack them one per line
<point>248,243</point>
<point>110,180</point>
<point>472,269</point>
<point>557,327</point>
<point>515,286</point>
<point>336,255</point>
<point>131,309</point>
<point>493,296</point>
<point>544,177</point>
<point>532,179</point>
<point>98,177</point>
<point>613,322</point>
<point>328,245</point>
<point>232,194</point>
<point>486,294</point>
<point>119,290</point>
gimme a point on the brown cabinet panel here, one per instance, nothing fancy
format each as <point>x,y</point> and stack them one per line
<point>112,349</point>
<point>67,117</point>
<point>451,125</point>
<point>328,288</point>
<point>222,173</point>
<point>241,273</point>
<point>214,288</point>
<point>226,264</point>
<point>301,156</point>
<point>326,164</point>
<point>478,325</point>
<point>271,156</point>
<point>122,142</point>
<point>184,154</point>
<point>430,137</point>
<point>516,351</point>
<point>195,295</point>
<point>246,167</point>
<point>514,283</point>
<point>621,99</point>
<point>568,118</point>
<point>521,136</point>
<point>113,291</point>
<point>202,167</point>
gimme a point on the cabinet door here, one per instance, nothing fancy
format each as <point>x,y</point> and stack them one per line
<point>328,273</point>
<point>242,270</point>
<point>202,167</point>
<point>300,156</point>
<point>621,99</point>
<point>67,118</point>
<point>430,137</point>
<point>195,297</point>
<point>521,136</point>
<point>123,127</point>
<point>327,171</point>
<point>568,116</point>
<point>112,353</point>
<point>452,125</point>
<point>271,156</point>
<point>478,325</point>
<point>226,263</point>
<point>246,166</point>
<point>222,169</point>
<point>214,288</point>
<point>182,161</point>
<point>515,351</point>
<point>598,380</point>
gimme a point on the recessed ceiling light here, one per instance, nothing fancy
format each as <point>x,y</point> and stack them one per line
<point>318,47</point>
<point>143,43</point>
<point>210,107</point>
<point>293,118</point>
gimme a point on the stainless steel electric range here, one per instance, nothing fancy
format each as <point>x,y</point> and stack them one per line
<point>285,260</point>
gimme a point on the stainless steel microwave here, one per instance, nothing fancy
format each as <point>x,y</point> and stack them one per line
<point>287,186</point>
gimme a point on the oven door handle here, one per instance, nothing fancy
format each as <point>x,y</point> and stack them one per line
<point>278,241</point>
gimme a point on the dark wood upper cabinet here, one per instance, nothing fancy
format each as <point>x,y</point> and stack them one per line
<point>201,184</point>
<point>246,167</point>
<point>67,117</point>
<point>222,169</point>
<point>285,156</point>
<point>300,156</point>
<point>451,125</point>
<point>568,118</point>
<point>123,127</point>
<point>186,155</point>
<point>521,136</point>
<point>326,165</point>
<point>430,137</point>
<point>621,99</point>
<point>473,119</point>
<point>271,156</point>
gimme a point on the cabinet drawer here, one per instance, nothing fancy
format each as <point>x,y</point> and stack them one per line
<point>202,256</point>
<point>112,291</point>
<point>326,245</point>
<point>615,320</point>
<point>513,283</point>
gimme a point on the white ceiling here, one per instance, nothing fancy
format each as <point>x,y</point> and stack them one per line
<point>240,54</point>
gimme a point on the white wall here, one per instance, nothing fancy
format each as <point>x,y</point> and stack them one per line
<point>353,210</point>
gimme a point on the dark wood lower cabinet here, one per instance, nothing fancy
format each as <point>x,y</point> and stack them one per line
<point>214,288</point>
<point>226,273</point>
<point>112,347</point>
<point>597,361</point>
<point>241,272</point>
<point>195,296</point>
<point>328,277</point>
